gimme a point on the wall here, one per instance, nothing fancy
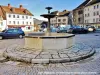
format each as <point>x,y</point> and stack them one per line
<point>11,20</point>
<point>91,10</point>
<point>55,20</point>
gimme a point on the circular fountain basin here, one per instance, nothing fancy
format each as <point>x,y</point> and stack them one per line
<point>50,41</point>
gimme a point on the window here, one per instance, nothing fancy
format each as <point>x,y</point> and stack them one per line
<point>64,20</point>
<point>94,7</point>
<point>97,6</point>
<point>13,16</point>
<point>22,16</point>
<point>30,17</point>
<point>97,19</point>
<point>88,14</point>
<point>30,23</point>
<point>85,21</point>
<point>23,22</point>
<point>10,31</point>
<point>13,22</point>
<point>17,16</point>
<point>80,12</point>
<point>94,20</point>
<point>94,14</point>
<point>9,16</point>
<point>18,22</point>
<point>85,15</point>
<point>26,17</point>
<point>9,22</point>
<point>97,12</point>
<point>88,9</point>
<point>27,23</point>
<point>59,20</point>
<point>79,19</point>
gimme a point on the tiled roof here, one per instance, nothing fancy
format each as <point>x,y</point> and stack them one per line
<point>93,2</point>
<point>2,13</point>
<point>13,10</point>
<point>83,4</point>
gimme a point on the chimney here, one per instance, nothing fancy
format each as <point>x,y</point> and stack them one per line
<point>9,5</point>
<point>21,6</point>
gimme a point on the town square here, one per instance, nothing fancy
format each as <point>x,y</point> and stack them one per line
<point>51,40</point>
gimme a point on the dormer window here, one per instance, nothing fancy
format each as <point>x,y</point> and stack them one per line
<point>12,9</point>
<point>25,11</point>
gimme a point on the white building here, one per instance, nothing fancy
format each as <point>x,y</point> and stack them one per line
<point>92,13</point>
<point>62,18</point>
<point>12,17</point>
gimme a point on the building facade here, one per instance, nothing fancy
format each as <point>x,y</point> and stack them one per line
<point>61,18</point>
<point>78,14</point>
<point>92,13</point>
<point>13,17</point>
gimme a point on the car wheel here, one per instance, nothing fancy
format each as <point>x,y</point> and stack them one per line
<point>1,37</point>
<point>20,36</point>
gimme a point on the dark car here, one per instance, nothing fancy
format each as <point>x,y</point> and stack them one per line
<point>75,29</point>
<point>79,30</point>
<point>12,33</point>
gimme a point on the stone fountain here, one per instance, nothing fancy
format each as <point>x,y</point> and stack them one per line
<point>49,47</point>
<point>48,40</point>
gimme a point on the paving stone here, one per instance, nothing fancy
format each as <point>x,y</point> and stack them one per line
<point>30,56</point>
<point>12,63</point>
<point>55,56</point>
<point>40,61</point>
<point>80,53</point>
<point>44,53</point>
<point>53,52</point>
<point>71,55</point>
<point>45,56</point>
<point>37,52</point>
<point>63,55</point>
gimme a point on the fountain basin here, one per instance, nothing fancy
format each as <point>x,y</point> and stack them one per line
<point>53,41</point>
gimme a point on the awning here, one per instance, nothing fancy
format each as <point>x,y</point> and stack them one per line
<point>15,26</point>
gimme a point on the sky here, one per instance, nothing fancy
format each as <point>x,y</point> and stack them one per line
<point>37,7</point>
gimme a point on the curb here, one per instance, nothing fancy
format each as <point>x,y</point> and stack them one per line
<point>46,61</point>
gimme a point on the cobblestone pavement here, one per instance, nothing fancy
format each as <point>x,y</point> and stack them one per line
<point>90,66</point>
<point>31,55</point>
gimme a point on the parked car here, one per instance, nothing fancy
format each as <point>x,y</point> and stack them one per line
<point>12,33</point>
<point>79,30</point>
<point>73,29</point>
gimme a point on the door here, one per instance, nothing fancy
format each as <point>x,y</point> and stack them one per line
<point>10,33</point>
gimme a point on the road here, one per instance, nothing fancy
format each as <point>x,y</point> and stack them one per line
<point>90,66</point>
